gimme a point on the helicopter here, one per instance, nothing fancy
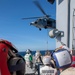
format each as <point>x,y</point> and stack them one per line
<point>43,21</point>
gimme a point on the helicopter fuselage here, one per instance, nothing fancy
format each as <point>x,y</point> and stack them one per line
<point>44,23</point>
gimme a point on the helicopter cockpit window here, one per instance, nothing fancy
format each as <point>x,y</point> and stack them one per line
<point>40,19</point>
<point>36,22</point>
<point>45,19</point>
<point>49,23</point>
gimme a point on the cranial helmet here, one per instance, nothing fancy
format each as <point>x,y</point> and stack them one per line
<point>46,60</point>
<point>9,44</point>
<point>38,53</point>
<point>14,64</point>
<point>28,51</point>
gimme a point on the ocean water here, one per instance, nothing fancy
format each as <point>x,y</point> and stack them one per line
<point>33,52</point>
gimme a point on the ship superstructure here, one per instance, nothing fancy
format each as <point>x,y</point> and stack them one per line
<point>65,21</point>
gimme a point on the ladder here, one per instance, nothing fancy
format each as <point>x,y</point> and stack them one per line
<point>73,31</point>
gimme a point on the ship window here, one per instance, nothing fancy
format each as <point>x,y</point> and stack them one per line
<point>59,1</point>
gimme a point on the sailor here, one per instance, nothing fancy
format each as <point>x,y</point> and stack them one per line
<point>3,59</point>
<point>67,71</point>
<point>73,61</point>
<point>28,58</point>
<point>48,53</point>
<point>38,60</point>
<point>10,63</point>
<point>47,69</point>
<point>65,47</point>
<point>38,57</point>
<point>63,61</point>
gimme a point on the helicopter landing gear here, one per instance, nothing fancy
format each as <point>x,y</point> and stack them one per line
<point>40,29</point>
<point>45,27</point>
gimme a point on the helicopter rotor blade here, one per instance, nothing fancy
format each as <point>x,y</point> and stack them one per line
<point>30,18</point>
<point>36,17</point>
<point>39,6</point>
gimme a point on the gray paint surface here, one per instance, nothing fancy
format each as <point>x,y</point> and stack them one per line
<point>65,21</point>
